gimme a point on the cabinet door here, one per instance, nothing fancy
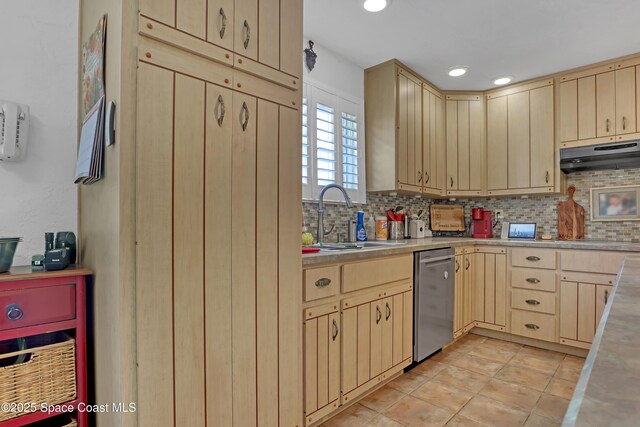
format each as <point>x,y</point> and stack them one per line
<point>625,100</point>
<point>497,163</point>
<point>569,310</point>
<point>518,134</point>
<point>603,293</point>
<point>430,135</point>
<point>464,147</point>
<point>398,322</point>
<point>407,325</point>
<point>387,333</point>
<point>409,136</point>
<point>476,138</point>
<point>220,23</point>
<point>350,349</point>
<point>452,144</point>
<point>477,274</point>
<point>541,134</point>
<point>467,290</point>
<point>458,307</point>
<point>377,321</point>
<point>605,104</point>
<point>245,28</point>
<point>568,111</point>
<point>321,362</point>
<point>586,311</point>
<point>495,288</point>
<point>586,107</point>
<point>291,37</point>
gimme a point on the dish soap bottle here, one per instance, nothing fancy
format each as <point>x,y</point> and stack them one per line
<point>371,227</point>
<point>361,232</point>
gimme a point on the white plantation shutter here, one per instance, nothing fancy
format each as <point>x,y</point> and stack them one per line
<point>332,144</point>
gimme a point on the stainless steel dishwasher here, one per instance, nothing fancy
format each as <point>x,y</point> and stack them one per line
<point>433,301</point>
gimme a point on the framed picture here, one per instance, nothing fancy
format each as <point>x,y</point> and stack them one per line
<point>615,203</point>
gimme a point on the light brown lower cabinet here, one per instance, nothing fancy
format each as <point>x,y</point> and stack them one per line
<point>581,307</point>
<point>487,271</point>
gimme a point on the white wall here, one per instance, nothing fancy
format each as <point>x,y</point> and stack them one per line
<point>38,67</point>
<point>335,72</point>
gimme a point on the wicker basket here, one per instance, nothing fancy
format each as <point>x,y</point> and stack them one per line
<point>48,377</point>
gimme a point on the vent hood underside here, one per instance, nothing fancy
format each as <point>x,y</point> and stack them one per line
<point>617,155</point>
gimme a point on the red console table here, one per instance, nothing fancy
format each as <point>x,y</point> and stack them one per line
<point>40,302</point>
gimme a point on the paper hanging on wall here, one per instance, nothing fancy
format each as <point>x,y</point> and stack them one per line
<point>92,71</point>
<point>91,149</point>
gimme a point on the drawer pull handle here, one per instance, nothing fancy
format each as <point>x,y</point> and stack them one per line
<point>388,311</point>
<point>222,110</point>
<point>533,258</point>
<point>378,315</point>
<point>533,280</point>
<point>533,302</point>
<point>247,34</point>
<point>14,312</point>
<point>606,296</point>
<point>223,25</point>
<point>336,331</point>
<point>324,282</point>
<point>532,326</point>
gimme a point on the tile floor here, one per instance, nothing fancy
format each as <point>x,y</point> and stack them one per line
<point>476,381</point>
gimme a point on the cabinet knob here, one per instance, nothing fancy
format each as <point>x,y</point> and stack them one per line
<point>14,312</point>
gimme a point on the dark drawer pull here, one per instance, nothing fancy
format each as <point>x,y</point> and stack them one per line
<point>533,302</point>
<point>532,326</point>
<point>14,312</point>
<point>533,280</point>
<point>533,258</point>
<point>322,283</point>
<point>336,331</point>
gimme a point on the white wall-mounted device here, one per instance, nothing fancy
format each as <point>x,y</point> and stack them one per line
<point>14,131</point>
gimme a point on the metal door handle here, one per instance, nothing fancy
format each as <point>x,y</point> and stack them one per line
<point>546,178</point>
<point>606,296</point>
<point>14,312</point>
<point>244,112</point>
<point>378,315</point>
<point>532,326</point>
<point>419,176</point>
<point>451,178</point>
<point>428,178</point>
<point>222,110</point>
<point>624,123</point>
<point>247,33</point>
<point>533,302</point>
<point>223,25</point>
<point>468,264</point>
<point>336,331</point>
<point>388,311</point>
<point>457,266</point>
<point>533,280</point>
<point>324,282</point>
<point>533,258</point>
<point>608,123</point>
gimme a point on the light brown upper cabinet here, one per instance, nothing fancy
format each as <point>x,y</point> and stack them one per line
<point>600,104</point>
<point>263,33</point>
<point>520,140</point>
<point>404,132</point>
<point>465,144</point>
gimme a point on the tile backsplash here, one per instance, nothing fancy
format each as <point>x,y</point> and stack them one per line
<point>540,209</point>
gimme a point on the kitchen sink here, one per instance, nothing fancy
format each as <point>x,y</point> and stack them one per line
<point>375,244</point>
<point>356,246</point>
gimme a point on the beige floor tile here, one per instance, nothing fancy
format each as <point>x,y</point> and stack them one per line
<point>478,364</point>
<point>466,343</point>
<point>411,412</point>
<point>429,368</point>
<point>575,361</point>
<point>568,372</point>
<point>443,395</point>
<point>461,378</point>
<point>491,352</point>
<point>354,416</point>
<point>408,382</point>
<point>504,345</point>
<point>546,365</point>
<point>446,356</point>
<point>382,421</point>
<point>517,395</point>
<point>551,406</point>
<point>460,421</point>
<point>524,376</point>
<point>493,413</point>
<point>382,399</point>
<point>536,420</point>
<point>561,388</point>
<point>541,353</point>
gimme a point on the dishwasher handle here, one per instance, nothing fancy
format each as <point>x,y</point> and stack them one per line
<point>436,259</point>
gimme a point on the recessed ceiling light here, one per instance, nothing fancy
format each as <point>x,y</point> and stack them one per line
<point>458,71</point>
<point>374,5</point>
<point>502,80</point>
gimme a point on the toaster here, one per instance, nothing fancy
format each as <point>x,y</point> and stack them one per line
<point>417,229</point>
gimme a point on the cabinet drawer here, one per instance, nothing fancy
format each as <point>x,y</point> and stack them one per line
<point>533,258</point>
<point>321,282</point>
<point>592,261</point>
<point>541,302</point>
<point>380,271</point>
<point>533,325</point>
<point>533,278</point>
<point>36,306</point>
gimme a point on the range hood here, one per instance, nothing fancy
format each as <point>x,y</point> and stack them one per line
<point>615,155</point>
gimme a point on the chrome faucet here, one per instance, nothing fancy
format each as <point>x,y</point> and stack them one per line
<point>321,232</point>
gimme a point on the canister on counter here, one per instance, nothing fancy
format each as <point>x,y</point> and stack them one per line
<point>381,228</point>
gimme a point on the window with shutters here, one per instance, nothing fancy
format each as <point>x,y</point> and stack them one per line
<point>332,144</point>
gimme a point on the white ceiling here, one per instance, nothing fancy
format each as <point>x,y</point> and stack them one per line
<point>521,38</point>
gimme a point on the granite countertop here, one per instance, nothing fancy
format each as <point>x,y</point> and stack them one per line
<point>607,391</point>
<point>413,245</point>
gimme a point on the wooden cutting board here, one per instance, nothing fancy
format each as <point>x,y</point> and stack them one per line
<point>447,218</point>
<point>570,218</point>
